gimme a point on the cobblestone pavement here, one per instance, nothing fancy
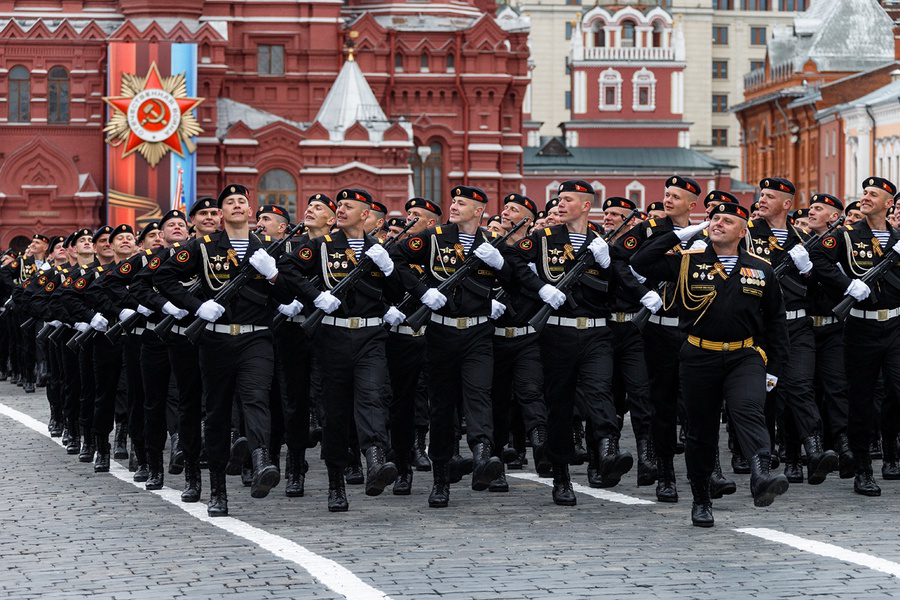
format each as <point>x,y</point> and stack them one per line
<point>67,532</point>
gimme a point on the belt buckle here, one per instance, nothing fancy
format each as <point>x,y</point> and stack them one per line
<point>726,346</point>
<point>417,332</point>
<point>619,317</point>
<point>462,323</point>
<point>818,321</point>
<point>882,314</point>
<point>581,323</point>
<point>353,323</point>
<point>510,332</point>
<point>234,329</point>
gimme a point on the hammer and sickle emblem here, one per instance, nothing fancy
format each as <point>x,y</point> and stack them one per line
<point>154,112</point>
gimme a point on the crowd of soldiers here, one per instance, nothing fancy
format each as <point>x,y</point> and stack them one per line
<point>233,334</point>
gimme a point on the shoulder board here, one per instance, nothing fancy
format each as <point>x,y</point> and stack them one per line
<point>750,224</point>
<point>438,229</point>
<point>65,270</point>
<point>706,232</point>
<point>206,238</point>
<point>267,238</point>
<point>849,227</point>
<point>99,269</point>
<point>176,244</point>
<point>327,238</point>
<point>494,234</point>
<point>694,251</point>
<point>148,252</point>
<point>652,222</point>
<point>547,231</point>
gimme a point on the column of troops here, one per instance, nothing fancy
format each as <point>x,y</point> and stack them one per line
<point>233,334</point>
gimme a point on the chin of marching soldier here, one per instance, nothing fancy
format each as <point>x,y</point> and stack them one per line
<point>576,343</point>
<point>236,349</point>
<point>350,343</point>
<point>731,308</point>
<point>458,336</point>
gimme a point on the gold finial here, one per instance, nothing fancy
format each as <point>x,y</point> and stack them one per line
<point>350,54</point>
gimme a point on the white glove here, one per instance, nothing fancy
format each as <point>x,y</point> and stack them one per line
<point>859,290</point>
<point>291,310</point>
<point>326,302</point>
<point>125,313</point>
<point>381,258</point>
<point>210,311</point>
<point>801,259</point>
<point>600,250</point>
<point>99,322</point>
<point>691,230</point>
<point>394,317</point>
<point>771,382</point>
<point>144,310</point>
<point>896,247</point>
<point>652,301</point>
<point>433,299</point>
<point>552,296</point>
<point>55,323</point>
<point>490,256</point>
<point>698,245</point>
<point>173,311</point>
<point>81,326</point>
<point>640,278</point>
<point>264,263</point>
<point>497,309</point>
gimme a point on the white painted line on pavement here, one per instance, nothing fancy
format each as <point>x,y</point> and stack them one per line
<point>827,550</point>
<point>328,572</point>
<point>582,489</point>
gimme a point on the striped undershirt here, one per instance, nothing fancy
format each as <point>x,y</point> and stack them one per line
<point>466,239</point>
<point>882,236</point>
<point>240,247</point>
<point>780,235</point>
<point>728,261</point>
<point>357,245</point>
<point>676,229</point>
<point>577,240</point>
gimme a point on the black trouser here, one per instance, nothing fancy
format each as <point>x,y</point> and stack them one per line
<point>55,371</point>
<point>71,383</point>
<point>28,348</point>
<point>242,365</point>
<point>108,361</point>
<point>460,367</point>
<point>831,377</point>
<point>708,378</point>
<point>293,363</point>
<point>519,376</point>
<point>795,384</point>
<point>577,359</point>
<point>869,347</point>
<point>156,372</point>
<point>662,345</point>
<point>184,360</point>
<point>352,367</point>
<point>88,387</point>
<point>4,342</point>
<point>630,388</point>
<point>405,360</point>
<point>15,341</point>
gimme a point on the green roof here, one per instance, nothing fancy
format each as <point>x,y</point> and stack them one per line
<point>554,156</point>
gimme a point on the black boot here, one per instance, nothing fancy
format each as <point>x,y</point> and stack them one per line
<point>240,450</point>
<point>890,466</point>
<point>157,474</point>
<point>646,471</point>
<point>192,482</point>
<point>593,467</point>
<point>337,494</point>
<point>247,472</point>
<point>440,491</point>
<point>403,484</point>
<point>845,466</point>
<point>204,457</point>
<point>701,509</point>
<point>458,467</point>
<point>764,486</point>
<point>793,470</point>
<point>580,454</point>
<point>821,461</point>
<point>563,494</point>
<point>120,450</point>
<point>66,437</point>
<point>613,462</point>
<point>354,473</point>
<point>101,461</point>
<point>315,430</point>
<point>265,475</point>
<point>719,485</point>
<point>739,463</point>
<point>542,464</point>
<point>74,439</point>
<point>486,467</point>
<point>295,468</point>
<point>665,486</point>
<point>142,473</point>
<point>176,456</point>
<point>132,459</point>
<point>379,472</point>
<point>423,463</point>
<point>218,497</point>
<point>864,482</point>
<point>875,452</point>
<point>500,484</point>
<point>88,448</point>
<point>28,387</point>
<point>56,423</point>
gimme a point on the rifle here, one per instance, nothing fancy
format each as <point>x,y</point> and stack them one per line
<point>280,318</point>
<point>224,295</point>
<point>873,275</point>
<point>27,323</point>
<point>78,340</point>
<point>786,261</point>
<point>418,318</point>
<point>44,333</point>
<point>312,322</point>
<point>569,279</point>
<point>125,326</point>
<point>58,332</point>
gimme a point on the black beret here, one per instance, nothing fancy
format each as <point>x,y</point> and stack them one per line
<point>172,214</point>
<point>541,214</point>
<point>619,202</point>
<point>192,230</point>
<point>324,200</point>
<point>396,222</point>
<point>656,206</point>
<point>154,226</point>
<point>272,209</point>
<point>779,184</point>
<point>40,236</point>
<point>732,208</point>
<point>57,239</point>
<point>423,203</point>
<point>685,183</point>
<point>232,190</point>
<point>880,182</point>
<point>754,206</point>
<point>520,199</point>
<point>123,228</point>
<point>473,193</point>
<point>851,206</point>
<point>81,233</point>
<point>801,213</point>
<point>101,231</point>
<point>551,203</point>
<point>70,241</point>
<point>378,207</point>
<point>575,185</point>
<point>494,219</point>
<point>719,196</point>
<point>203,203</point>
<point>355,194</point>
<point>826,199</point>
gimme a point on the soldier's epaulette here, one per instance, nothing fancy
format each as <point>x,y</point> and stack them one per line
<point>438,230</point>
<point>267,238</point>
<point>848,227</point>
<point>750,224</point>
<point>547,231</point>
<point>99,269</point>
<point>148,252</point>
<point>694,251</point>
<point>652,222</point>
<point>327,238</point>
<point>206,238</point>
<point>494,235</point>
<point>65,270</point>
<point>176,244</point>
<point>706,232</point>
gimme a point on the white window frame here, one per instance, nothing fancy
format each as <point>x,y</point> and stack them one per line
<point>610,78</point>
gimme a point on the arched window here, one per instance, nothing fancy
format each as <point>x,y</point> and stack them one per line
<point>277,186</point>
<point>428,172</point>
<point>424,64</point>
<point>599,35</point>
<point>643,83</point>
<point>19,95</point>
<point>58,96</point>
<point>398,62</point>
<point>610,90</point>
<point>658,32</point>
<point>627,34</point>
